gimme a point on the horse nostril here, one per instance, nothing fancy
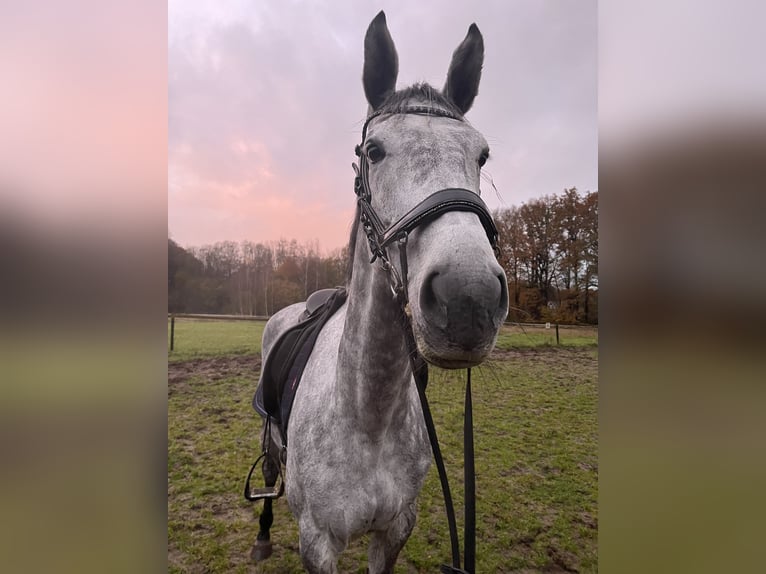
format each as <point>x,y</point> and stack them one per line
<point>503,303</point>
<point>432,299</point>
<point>427,295</point>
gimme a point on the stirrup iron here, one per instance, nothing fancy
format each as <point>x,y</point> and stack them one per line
<point>270,492</point>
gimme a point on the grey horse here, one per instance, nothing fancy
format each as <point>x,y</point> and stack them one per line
<point>358,450</point>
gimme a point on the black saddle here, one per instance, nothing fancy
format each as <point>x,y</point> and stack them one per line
<point>284,365</point>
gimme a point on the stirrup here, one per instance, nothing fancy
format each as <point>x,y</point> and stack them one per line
<point>269,492</point>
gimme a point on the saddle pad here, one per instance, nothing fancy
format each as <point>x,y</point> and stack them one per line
<point>284,365</point>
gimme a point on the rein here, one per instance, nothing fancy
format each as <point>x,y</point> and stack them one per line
<point>379,239</point>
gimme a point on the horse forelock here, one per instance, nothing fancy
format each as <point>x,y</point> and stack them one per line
<point>420,93</point>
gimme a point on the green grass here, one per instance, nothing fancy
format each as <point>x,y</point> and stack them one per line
<point>536,465</point>
<point>199,338</point>
<point>515,336</point>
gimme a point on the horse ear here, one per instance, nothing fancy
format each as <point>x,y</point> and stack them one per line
<point>465,70</point>
<point>381,64</point>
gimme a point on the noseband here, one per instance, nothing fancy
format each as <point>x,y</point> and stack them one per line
<point>380,238</point>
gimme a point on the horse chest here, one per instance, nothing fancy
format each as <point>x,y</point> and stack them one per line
<point>381,493</point>
<point>376,482</point>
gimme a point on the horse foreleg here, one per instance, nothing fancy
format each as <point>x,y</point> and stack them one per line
<point>319,549</point>
<point>385,545</point>
<point>262,547</point>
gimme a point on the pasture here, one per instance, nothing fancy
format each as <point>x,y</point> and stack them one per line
<point>535,415</point>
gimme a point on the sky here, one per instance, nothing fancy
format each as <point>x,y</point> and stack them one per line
<point>265,106</point>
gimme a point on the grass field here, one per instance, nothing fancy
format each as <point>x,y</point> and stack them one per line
<point>199,338</point>
<point>535,408</point>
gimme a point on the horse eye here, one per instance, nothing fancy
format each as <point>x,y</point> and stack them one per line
<point>483,158</point>
<point>375,153</point>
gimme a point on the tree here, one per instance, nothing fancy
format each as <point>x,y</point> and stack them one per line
<point>511,249</point>
<point>590,242</point>
<point>540,230</point>
<point>549,250</point>
<point>569,215</point>
<point>183,270</point>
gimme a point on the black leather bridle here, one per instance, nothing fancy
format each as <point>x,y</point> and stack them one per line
<point>379,239</point>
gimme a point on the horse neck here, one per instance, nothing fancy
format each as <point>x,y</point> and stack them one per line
<point>373,366</point>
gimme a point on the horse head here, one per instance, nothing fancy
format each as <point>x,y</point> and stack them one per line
<point>417,143</point>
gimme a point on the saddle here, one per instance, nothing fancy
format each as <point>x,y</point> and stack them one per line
<point>284,365</point>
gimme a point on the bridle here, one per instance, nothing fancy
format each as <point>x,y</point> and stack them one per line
<point>379,238</point>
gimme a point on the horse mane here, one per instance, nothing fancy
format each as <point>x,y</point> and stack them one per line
<point>422,94</point>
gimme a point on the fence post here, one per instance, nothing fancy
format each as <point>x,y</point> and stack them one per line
<point>557,333</point>
<point>172,330</point>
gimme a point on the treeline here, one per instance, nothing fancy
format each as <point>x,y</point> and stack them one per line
<point>248,278</point>
<point>548,247</point>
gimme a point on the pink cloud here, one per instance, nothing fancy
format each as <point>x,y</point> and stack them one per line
<point>262,205</point>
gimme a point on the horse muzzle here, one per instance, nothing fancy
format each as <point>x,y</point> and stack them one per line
<point>460,315</point>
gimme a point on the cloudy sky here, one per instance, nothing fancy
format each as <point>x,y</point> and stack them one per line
<point>265,105</point>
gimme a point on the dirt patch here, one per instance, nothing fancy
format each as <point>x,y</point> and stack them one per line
<point>551,354</point>
<point>213,368</point>
<point>560,560</point>
<point>216,368</point>
<point>563,366</point>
